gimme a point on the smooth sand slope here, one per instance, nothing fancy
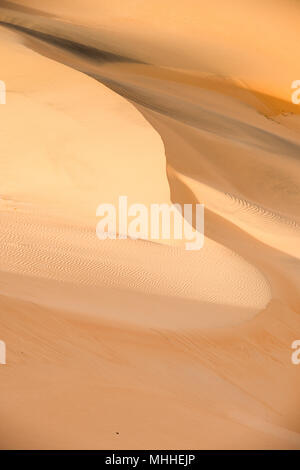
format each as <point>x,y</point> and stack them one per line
<point>142,344</point>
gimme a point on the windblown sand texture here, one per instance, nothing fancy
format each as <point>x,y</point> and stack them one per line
<point>124,344</point>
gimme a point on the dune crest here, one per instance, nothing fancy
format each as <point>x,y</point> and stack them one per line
<point>140,343</point>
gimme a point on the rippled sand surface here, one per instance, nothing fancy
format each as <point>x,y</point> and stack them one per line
<point>134,344</point>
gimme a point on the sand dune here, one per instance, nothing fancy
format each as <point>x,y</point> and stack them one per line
<point>126,344</point>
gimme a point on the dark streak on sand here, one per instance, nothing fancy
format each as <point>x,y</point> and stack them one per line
<point>90,52</point>
<point>197,116</point>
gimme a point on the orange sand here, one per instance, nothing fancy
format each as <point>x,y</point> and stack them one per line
<point>165,102</point>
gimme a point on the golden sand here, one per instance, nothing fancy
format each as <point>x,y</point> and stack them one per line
<point>123,344</point>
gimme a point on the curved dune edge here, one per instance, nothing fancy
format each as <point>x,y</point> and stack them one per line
<point>140,345</point>
<point>77,186</point>
<point>74,254</point>
<point>201,39</point>
<point>276,231</point>
<point>64,153</point>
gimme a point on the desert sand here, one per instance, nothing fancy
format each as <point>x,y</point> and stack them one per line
<point>141,344</point>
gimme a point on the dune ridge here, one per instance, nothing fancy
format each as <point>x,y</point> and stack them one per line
<point>97,328</point>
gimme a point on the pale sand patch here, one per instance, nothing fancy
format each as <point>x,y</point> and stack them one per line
<point>168,348</point>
